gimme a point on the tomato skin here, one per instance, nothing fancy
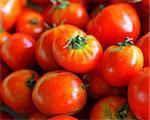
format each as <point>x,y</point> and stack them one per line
<point>44,54</point>
<point>62,117</point>
<point>107,107</point>
<point>144,44</point>
<point>37,116</point>
<point>9,16</point>
<point>118,65</point>
<point>59,85</point>
<point>18,51</point>
<point>75,14</point>
<point>98,88</point>
<point>5,116</point>
<point>77,60</point>
<point>17,81</point>
<point>138,94</point>
<point>145,23</point>
<point>30,22</point>
<point>3,37</point>
<point>125,23</point>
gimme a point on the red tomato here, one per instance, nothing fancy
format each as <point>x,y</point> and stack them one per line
<point>145,23</point>
<point>144,44</point>
<point>111,108</point>
<point>138,94</point>
<point>41,2</point>
<point>10,9</point>
<point>17,90</point>
<point>120,62</point>
<point>76,51</point>
<point>3,37</point>
<point>44,54</point>
<point>30,22</point>
<point>114,23</point>
<point>146,3</point>
<point>59,92</point>
<point>37,116</point>
<point>62,117</point>
<point>5,116</point>
<point>18,51</point>
<point>73,13</point>
<point>98,88</point>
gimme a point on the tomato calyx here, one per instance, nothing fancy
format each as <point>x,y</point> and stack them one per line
<point>33,21</point>
<point>76,43</point>
<point>127,42</point>
<point>31,82</point>
<point>84,86</point>
<point>107,112</point>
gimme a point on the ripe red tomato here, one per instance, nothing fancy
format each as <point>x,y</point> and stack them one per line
<point>62,117</point>
<point>18,51</point>
<point>5,116</point>
<point>114,23</point>
<point>41,2</point>
<point>146,3</point>
<point>10,10</point>
<point>145,23</point>
<point>17,90</point>
<point>44,54</point>
<point>144,44</point>
<point>59,92</point>
<point>76,51</point>
<point>73,13</point>
<point>138,94</point>
<point>120,62</point>
<point>37,116</point>
<point>98,87</point>
<point>3,37</point>
<point>111,108</point>
<point>30,22</point>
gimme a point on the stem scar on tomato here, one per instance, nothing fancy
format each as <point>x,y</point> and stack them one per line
<point>31,81</point>
<point>34,21</point>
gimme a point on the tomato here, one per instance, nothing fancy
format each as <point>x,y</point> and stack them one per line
<point>17,90</point>
<point>76,51</point>
<point>5,116</point>
<point>10,10</point>
<point>59,92</point>
<point>120,62</point>
<point>62,117</point>
<point>30,22</point>
<point>37,116</point>
<point>18,51</point>
<point>44,54</point>
<point>145,23</point>
<point>112,107</point>
<point>125,23</point>
<point>41,2</point>
<point>3,37</point>
<point>73,13</point>
<point>146,3</point>
<point>98,88</point>
<point>138,94</point>
<point>144,44</point>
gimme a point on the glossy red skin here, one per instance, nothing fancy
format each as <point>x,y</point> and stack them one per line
<point>98,87</point>
<point>144,44</point>
<point>17,81</point>
<point>44,54</point>
<point>37,116</point>
<point>138,94</point>
<point>3,37</point>
<point>18,51</point>
<point>41,2</point>
<point>75,14</point>
<point>118,66</point>
<point>146,3</point>
<point>57,86</point>
<point>24,24</point>
<point>10,10</point>
<point>77,60</point>
<point>5,116</point>
<point>145,23</point>
<point>62,117</point>
<point>123,22</point>
<point>112,104</point>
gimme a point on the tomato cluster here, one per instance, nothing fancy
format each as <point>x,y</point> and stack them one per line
<point>74,59</point>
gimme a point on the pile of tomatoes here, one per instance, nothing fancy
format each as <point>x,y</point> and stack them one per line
<point>74,59</point>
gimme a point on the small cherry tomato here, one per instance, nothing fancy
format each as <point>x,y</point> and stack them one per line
<point>5,116</point>
<point>110,28</point>
<point>18,51</point>
<point>57,86</point>
<point>120,62</point>
<point>111,108</point>
<point>138,94</point>
<point>144,44</point>
<point>37,116</point>
<point>67,13</point>
<point>30,22</point>
<point>76,51</point>
<point>44,54</point>
<point>17,90</point>
<point>62,117</point>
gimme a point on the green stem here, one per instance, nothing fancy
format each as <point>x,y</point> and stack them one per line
<point>31,82</point>
<point>127,42</point>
